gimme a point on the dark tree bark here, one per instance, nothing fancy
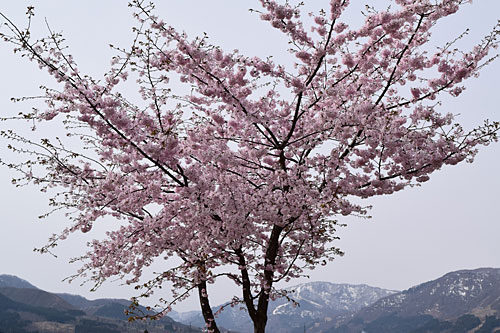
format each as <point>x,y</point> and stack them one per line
<point>206,310</point>
<point>270,260</point>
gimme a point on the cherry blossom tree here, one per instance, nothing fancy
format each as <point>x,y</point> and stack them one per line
<point>244,174</point>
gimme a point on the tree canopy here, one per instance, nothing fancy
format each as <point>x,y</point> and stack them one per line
<point>247,174</point>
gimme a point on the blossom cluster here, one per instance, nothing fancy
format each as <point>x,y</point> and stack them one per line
<point>234,175</point>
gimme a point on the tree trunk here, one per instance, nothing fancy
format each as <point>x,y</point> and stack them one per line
<point>260,326</point>
<point>206,310</point>
<point>270,260</point>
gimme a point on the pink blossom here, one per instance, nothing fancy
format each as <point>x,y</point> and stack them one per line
<point>238,165</point>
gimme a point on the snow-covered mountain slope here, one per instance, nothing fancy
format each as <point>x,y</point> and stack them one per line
<point>316,300</point>
<point>470,296</point>
<point>452,295</point>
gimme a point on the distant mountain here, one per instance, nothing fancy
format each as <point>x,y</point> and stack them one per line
<point>464,301</point>
<point>36,297</point>
<point>23,317</point>
<point>115,309</point>
<point>93,306</point>
<point>316,301</point>
<point>14,282</point>
<point>460,301</point>
<point>34,310</point>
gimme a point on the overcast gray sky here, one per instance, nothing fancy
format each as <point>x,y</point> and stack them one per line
<point>452,222</point>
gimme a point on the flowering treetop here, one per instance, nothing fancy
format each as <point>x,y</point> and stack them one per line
<point>251,168</point>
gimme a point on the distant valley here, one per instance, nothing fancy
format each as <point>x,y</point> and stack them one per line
<point>461,301</point>
<point>315,301</point>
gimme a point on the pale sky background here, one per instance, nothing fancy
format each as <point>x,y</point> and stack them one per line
<point>452,222</point>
